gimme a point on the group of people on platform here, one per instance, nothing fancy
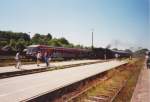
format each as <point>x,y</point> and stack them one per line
<point>46,56</point>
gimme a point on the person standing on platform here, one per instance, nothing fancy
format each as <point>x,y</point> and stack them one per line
<point>46,58</point>
<point>147,61</point>
<point>130,58</point>
<point>49,59</point>
<point>38,58</point>
<point>18,60</point>
<point>116,56</point>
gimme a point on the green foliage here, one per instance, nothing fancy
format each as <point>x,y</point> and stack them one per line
<point>15,40</point>
<point>140,52</point>
<point>41,39</point>
<point>21,44</point>
<point>49,36</point>
<point>47,40</point>
<point>19,40</point>
<point>3,43</point>
<point>12,43</point>
<point>54,42</point>
<point>7,35</point>
<point>69,46</point>
<point>63,41</point>
<point>115,49</point>
<point>78,46</point>
<point>128,50</point>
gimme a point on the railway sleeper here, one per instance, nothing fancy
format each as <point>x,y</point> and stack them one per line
<point>98,98</point>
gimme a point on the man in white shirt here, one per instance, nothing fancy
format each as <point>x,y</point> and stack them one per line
<point>18,60</point>
<point>38,58</point>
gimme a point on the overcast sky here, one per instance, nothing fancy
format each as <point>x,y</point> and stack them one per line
<point>123,23</point>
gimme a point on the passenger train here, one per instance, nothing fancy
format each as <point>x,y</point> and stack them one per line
<point>73,53</point>
<point>57,52</point>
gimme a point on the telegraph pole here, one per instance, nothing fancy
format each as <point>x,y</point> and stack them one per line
<point>92,39</point>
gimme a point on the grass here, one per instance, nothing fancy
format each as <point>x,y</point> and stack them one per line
<point>126,93</point>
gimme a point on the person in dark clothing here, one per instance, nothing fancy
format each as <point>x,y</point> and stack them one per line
<point>46,58</point>
<point>148,63</point>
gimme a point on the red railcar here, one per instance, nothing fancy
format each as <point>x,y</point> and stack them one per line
<point>33,49</point>
<point>57,52</point>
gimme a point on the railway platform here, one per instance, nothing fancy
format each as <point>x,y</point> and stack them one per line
<point>43,65</point>
<point>142,90</point>
<point>26,87</point>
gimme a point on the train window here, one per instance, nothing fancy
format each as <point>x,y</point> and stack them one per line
<point>32,50</point>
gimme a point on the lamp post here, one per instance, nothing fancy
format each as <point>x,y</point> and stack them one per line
<point>105,57</point>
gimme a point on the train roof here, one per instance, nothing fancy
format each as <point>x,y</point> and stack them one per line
<point>33,45</point>
<point>120,51</point>
<point>78,49</point>
<point>38,46</point>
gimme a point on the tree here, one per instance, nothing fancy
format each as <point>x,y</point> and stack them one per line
<point>115,49</point>
<point>128,50</point>
<point>11,38</point>
<point>54,42</point>
<point>49,36</point>
<point>69,46</point>
<point>140,52</point>
<point>12,43</point>
<point>3,43</point>
<point>20,45</point>
<point>35,39</point>
<point>25,36</point>
<point>36,36</point>
<point>63,41</point>
<point>78,46</point>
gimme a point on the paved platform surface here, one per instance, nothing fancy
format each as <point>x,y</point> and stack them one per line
<point>19,88</point>
<point>43,65</point>
<point>142,90</point>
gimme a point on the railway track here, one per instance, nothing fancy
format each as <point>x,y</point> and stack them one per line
<point>74,90</point>
<point>112,92</point>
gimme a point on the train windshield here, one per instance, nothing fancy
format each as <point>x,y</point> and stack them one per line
<point>31,50</point>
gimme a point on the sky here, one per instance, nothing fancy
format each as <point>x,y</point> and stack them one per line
<point>121,23</point>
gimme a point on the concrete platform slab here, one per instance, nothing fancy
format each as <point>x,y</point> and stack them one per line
<point>19,88</point>
<point>43,65</point>
<point>142,90</point>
